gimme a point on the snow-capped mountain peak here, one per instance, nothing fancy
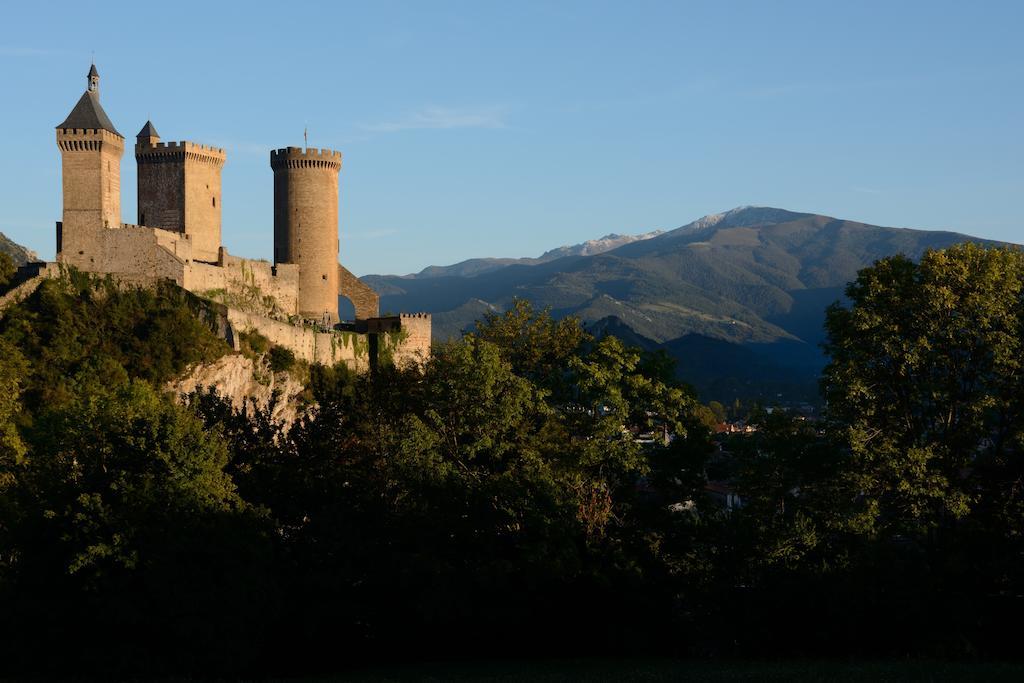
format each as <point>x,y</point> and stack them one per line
<point>598,246</point>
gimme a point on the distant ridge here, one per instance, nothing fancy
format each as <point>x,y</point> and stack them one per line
<point>478,266</point>
<point>598,246</point>
<point>753,277</point>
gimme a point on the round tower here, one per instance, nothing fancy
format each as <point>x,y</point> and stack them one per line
<point>306,224</point>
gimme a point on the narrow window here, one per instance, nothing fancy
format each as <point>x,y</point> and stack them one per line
<point>215,202</point>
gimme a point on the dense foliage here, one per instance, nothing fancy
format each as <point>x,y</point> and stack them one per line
<point>7,271</point>
<point>529,490</point>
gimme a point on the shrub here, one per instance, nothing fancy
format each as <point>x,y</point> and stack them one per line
<point>281,359</point>
<point>254,344</point>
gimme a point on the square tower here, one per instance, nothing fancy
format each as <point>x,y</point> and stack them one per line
<point>91,151</point>
<point>179,189</point>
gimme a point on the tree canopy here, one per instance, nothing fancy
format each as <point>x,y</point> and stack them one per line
<point>528,490</point>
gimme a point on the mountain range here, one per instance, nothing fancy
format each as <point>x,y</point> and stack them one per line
<point>737,298</point>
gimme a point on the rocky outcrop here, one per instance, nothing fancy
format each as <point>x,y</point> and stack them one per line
<point>242,380</point>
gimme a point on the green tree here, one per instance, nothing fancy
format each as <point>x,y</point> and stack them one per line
<point>718,411</point>
<point>786,474</point>
<point>112,468</point>
<point>12,449</point>
<point>925,387</point>
<point>536,345</point>
<point>129,530</point>
<point>79,326</point>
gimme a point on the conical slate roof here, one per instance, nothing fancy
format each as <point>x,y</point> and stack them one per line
<point>148,131</point>
<point>89,114</point>
<point>93,71</point>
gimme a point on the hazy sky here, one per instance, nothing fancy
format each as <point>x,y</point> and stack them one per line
<point>507,128</point>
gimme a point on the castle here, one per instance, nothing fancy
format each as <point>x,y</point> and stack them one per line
<point>293,302</point>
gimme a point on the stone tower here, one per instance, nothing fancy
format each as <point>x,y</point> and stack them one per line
<point>179,189</point>
<point>306,224</point>
<point>91,151</point>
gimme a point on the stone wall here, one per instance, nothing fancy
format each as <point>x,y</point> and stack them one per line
<point>245,283</point>
<point>310,345</point>
<point>405,337</point>
<point>128,250</point>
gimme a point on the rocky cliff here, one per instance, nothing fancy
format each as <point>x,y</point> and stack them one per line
<point>244,381</point>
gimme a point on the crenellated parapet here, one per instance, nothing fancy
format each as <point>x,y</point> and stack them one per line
<point>310,157</point>
<point>177,152</point>
<point>87,139</point>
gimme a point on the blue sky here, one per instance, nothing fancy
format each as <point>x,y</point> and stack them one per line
<point>505,129</point>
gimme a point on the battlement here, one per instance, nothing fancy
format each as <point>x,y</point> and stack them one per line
<point>90,132</point>
<point>310,157</point>
<point>87,139</point>
<point>393,323</point>
<point>178,151</point>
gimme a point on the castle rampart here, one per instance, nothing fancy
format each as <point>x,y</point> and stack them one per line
<point>127,250</point>
<point>310,345</point>
<point>251,284</point>
<point>406,337</point>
